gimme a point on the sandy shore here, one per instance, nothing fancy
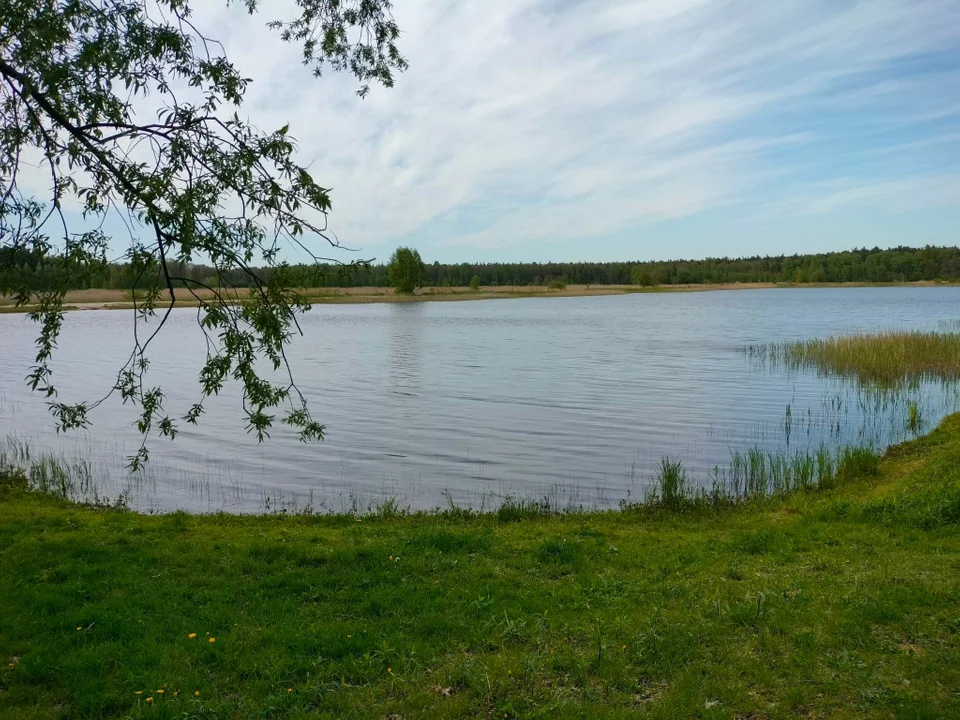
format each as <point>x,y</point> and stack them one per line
<point>97,299</point>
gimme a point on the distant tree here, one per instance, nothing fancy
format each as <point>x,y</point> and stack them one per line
<point>185,170</point>
<point>406,270</point>
<point>475,283</point>
<point>639,275</point>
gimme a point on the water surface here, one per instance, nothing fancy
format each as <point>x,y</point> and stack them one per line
<point>570,399</point>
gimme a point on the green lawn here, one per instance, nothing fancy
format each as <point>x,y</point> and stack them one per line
<point>841,603</point>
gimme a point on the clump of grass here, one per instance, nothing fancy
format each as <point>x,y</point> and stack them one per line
<point>857,462</point>
<point>914,418</point>
<point>556,285</point>
<point>889,358</point>
<point>672,486</point>
<point>516,509</point>
<point>755,474</point>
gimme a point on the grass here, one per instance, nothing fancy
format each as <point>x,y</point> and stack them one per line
<point>840,600</point>
<point>886,359</point>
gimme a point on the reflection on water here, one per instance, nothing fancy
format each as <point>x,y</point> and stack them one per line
<point>572,399</point>
<point>406,339</point>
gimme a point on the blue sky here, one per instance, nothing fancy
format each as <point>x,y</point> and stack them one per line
<point>614,130</point>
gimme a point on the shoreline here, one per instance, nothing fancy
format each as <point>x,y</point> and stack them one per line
<point>102,299</point>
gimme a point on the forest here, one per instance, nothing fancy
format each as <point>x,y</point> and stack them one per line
<point>901,264</point>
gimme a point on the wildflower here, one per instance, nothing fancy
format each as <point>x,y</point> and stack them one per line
<point>213,640</point>
<point>624,647</point>
<point>389,670</point>
<point>176,692</point>
<point>391,558</point>
<point>161,691</point>
<point>80,628</point>
<point>150,700</point>
<point>196,693</point>
<point>350,636</point>
<point>289,690</point>
<point>139,692</point>
<point>192,635</point>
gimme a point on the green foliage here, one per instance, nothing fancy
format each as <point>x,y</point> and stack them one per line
<point>863,266</point>
<point>475,283</point>
<point>406,270</point>
<point>834,604</point>
<point>556,285</point>
<point>901,264</point>
<point>642,276</point>
<point>72,73</point>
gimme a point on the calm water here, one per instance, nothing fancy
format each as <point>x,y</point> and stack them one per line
<point>572,399</point>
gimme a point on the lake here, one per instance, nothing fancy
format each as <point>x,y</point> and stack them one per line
<point>573,400</point>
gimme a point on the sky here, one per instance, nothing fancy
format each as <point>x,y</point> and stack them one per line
<point>569,130</point>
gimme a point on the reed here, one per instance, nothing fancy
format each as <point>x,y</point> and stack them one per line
<point>886,359</point>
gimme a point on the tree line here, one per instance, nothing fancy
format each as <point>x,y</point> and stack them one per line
<point>901,264</point>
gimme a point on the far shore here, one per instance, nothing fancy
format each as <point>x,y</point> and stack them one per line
<point>102,299</point>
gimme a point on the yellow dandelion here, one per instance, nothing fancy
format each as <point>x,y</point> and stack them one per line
<point>196,693</point>
<point>389,670</point>
<point>289,690</point>
<point>391,557</point>
<point>80,628</point>
<point>149,700</point>
<point>139,692</point>
<point>192,635</point>
<point>176,692</point>
<point>624,647</point>
<point>161,691</point>
<point>213,640</point>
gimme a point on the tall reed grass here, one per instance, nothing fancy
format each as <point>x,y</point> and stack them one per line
<point>888,359</point>
<point>756,474</point>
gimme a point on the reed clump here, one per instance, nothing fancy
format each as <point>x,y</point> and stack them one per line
<point>889,358</point>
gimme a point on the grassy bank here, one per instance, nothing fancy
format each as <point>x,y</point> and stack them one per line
<point>95,299</point>
<point>886,358</point>
<point>824,603</point>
